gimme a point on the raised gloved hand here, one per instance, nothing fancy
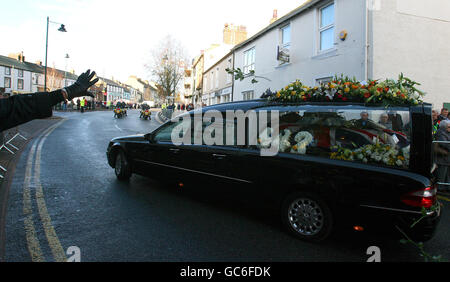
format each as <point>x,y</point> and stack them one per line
<point>80,87</point>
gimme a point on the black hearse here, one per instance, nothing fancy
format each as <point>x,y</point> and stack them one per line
<point>337,162</point>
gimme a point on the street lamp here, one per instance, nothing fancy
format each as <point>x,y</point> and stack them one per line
<point>62,28</point>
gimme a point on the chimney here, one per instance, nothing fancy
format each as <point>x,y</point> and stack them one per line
<point>233,35</point>
<point>17,56</point>
<point>39,63</point>
<point>274,16</point>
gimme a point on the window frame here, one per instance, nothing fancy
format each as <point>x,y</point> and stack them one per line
<point>322,29</point>
<point>249,66</point>
<point>4,82</point>
<point>285,45</point>
<point>247,92</point>
<point>19,73</point>
<point>7,70</point>
<point>20,84</point>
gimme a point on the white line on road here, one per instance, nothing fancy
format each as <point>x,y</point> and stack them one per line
<point>117,127</point>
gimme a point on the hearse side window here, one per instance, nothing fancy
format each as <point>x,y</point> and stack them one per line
<point>378,136</point>
<point>165,133</point>
<point>227,128</point>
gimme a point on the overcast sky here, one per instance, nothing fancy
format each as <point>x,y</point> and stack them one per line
<point>115,37</point>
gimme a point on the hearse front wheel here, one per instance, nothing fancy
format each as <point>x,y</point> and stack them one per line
<point>121,166</point>
<point>307,216</point>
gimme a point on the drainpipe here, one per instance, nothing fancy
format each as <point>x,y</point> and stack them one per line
<point>366,47</point>
<point>232,82</point>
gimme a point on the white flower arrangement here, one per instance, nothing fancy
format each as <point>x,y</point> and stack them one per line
<point>265,138</point>
<point>284,140</point>
<point>303,139</point>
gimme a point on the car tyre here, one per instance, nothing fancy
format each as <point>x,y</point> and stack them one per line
<point>122,167</point>
<point>307,216</point>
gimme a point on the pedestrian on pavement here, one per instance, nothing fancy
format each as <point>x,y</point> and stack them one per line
<point>19,109</point>
<point>443,155</point>
<point>82,103</point>
<point>78,104</point>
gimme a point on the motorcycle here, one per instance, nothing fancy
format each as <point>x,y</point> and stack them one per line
<point>118,113</point>
<point>146,115</point>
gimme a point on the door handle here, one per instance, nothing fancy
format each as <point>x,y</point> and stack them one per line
<point>175,151</point>
<point>219,156</point>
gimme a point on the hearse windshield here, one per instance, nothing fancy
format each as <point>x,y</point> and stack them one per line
<point>373,135</point>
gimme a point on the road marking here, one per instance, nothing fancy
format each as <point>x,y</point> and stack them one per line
<point>53,241</point>
<point>32,242</point>
<point>443,198</point>
<point>117,127</point>
<point>29,182</point>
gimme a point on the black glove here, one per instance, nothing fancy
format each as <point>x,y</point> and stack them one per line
<point>80,87</point>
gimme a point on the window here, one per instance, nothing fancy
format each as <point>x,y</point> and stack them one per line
<point>378,136</point>
<point>7,82</point>
<point>326,29</point>
<point>217,78</point>
<point>248,95</point>
<point>20,84</point>
<point>229,76</point>
<point>7,71</point>
<point>323,80</point>
<point>211,81</point>
<point>286,36</point>
<point>165,133</point>
<point>20,72</point>
<point>249,60</point>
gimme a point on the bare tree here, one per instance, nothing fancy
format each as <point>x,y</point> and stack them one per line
<point>54,79</point>
<point>167,65</point>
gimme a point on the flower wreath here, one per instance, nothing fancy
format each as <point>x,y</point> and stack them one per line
<point>303,139</point>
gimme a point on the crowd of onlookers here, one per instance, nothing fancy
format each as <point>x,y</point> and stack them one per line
<point>441,134</point>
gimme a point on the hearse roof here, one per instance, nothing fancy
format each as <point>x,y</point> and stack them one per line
<point>258,103</point>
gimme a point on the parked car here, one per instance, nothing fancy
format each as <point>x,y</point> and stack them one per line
<point>331,169</point>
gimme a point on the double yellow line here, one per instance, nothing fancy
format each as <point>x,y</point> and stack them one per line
<point>33,182</point>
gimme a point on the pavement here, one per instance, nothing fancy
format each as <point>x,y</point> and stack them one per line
<point>9,161</point>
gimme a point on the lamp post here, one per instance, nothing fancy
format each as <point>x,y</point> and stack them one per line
<point>65,70</point>
<point>62,28</point>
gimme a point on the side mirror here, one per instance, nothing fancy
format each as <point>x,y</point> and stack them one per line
<point>149,137</point>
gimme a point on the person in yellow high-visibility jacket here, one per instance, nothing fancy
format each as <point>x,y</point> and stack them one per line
<point>82,104</point>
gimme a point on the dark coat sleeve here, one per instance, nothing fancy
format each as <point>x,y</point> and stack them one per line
<point>19,109</point>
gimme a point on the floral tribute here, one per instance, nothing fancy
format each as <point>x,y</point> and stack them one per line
<point>301,140</point>
<point>376,153</point>
<point>344,89</point>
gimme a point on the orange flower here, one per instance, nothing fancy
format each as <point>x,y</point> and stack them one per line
<point>354,86</point>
